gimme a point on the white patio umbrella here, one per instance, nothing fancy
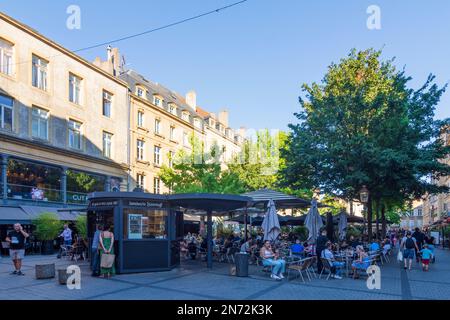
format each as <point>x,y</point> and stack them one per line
<point>271,224</point>
<point>342,225</point>
<point>313,222</point>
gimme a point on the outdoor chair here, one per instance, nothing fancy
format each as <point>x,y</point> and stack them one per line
<point>66,252</point>
<point>300,266</point>
<point>326,265</point>
<point>202,253</point>
<point>265,269</point>
<point>310,268</point>
<point>376,257</point>
<point>230,254</point>
<point>385,256</point>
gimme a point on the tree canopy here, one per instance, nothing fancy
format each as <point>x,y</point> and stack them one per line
<point>362,125</point>
<point>200,171</point>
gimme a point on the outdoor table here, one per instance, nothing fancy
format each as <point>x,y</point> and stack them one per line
<point>347,258</point>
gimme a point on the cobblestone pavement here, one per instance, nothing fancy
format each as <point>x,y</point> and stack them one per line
<point>192,281</point>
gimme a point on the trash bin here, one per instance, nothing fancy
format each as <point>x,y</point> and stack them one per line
<point>241,260</point>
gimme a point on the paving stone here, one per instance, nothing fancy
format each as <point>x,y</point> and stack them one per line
<point>193,281</point>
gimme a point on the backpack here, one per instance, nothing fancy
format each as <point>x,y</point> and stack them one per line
<point>409,243</point>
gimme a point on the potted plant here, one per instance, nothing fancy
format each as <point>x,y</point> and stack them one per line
<point>81,226</point>
<point>301,232</point>
<point>47,228</point>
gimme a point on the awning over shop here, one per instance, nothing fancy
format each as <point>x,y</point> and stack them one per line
<point>11,215</point>
<point>25,214</point>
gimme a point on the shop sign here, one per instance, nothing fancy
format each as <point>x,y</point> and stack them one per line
<point>144,204</point>
<point>103,203</point>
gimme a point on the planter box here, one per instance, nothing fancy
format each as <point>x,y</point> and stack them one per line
<point>47,247</point>
<point>62,276</point>
<point>45,271</point>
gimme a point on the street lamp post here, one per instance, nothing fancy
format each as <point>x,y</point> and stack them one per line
<point>364,197</point>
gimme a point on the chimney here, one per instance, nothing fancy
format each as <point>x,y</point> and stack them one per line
<point>191,99</point>
<point>242,132</point>
<point>109,53</point>
<point>112,63</point>
<point>223,118</point>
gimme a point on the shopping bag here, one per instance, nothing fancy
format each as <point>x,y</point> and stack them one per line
<point>400,256</point>
<point>107,260</point>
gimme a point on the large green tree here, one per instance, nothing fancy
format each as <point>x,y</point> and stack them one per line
<point>362,125</point>
<point>259,163</point>
<point>200,171</point>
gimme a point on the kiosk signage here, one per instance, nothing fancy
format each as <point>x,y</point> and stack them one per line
<point>143,204</point>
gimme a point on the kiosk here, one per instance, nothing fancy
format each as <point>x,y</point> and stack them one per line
<point>147,231</point>
<point>148,228</point>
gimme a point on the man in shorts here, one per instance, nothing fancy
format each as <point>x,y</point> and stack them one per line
<point>409,247</point>
<point>16,241</point>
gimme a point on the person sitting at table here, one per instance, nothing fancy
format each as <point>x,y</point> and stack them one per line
<point>297,249</point>
<point>309,249</point>
<point>344,245</point>
<point>354,242</point>
<point>361,263</point>
<point>336,266</point>
<point>184,249</point>
<point>374,246</point>
<point>386,246</point>
<point>245,247</point>
<point>271,258</point>
<point>192,248</point>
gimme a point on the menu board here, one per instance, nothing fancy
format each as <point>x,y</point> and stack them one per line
<point>135,226</point>
<point>436,236</point>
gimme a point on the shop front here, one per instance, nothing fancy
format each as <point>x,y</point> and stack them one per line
<point>147,231</point>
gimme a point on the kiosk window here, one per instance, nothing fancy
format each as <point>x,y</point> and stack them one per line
<point>144,224</point>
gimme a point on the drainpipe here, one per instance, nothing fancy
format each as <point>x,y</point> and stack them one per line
<point>4,180</point>
<point>129,140</point>
<point>64,185</point>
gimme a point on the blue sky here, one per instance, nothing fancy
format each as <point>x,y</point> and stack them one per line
<point>252,58</point>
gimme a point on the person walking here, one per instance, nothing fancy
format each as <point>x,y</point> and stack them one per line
<point>427,255</point>
<point>67,235</point>
<point>95,256</point>
<point>409,247</point>
<point>106,242</point>
<point>16,239</point>
<point>321,244</point>
<point>420,238</point>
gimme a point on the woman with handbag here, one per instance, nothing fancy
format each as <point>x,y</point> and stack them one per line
<point>107,256</point>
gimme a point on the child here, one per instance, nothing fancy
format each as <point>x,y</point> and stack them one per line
<point>427,254</point>
<point>431,247</point>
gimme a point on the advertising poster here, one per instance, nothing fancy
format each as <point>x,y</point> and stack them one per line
<point>135,226</point>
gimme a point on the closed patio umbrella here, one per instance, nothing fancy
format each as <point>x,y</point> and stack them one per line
<point>271,224</point>
<point>342,225</point>
<point>313,221</point>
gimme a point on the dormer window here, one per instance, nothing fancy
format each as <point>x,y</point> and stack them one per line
<point>185,116</point>
<point>157,101</point>
<point>197,123</point>
<point>140,92</point>
<point>173,109</point>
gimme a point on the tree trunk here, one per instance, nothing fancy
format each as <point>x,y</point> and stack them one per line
<point>369,219</point>
<point>351,207</point>
<point>383,220</point>
<point>377,205</point>
<point>330,229</point>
